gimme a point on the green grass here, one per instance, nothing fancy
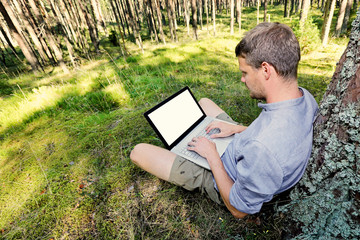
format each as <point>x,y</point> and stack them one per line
<point>65,140</point>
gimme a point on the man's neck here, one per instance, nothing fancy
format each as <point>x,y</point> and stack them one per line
<point>283,91</point>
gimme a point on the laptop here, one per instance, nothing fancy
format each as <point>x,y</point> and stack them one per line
<point>178,119</point>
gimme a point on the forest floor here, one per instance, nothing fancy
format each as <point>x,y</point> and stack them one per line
<point>65,141</point>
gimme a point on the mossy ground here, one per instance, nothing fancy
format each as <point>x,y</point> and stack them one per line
<point>65,140</point>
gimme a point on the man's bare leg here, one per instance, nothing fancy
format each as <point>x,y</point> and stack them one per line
<point>158,161</point>
<point>210,108</point>
<point>155,160</point>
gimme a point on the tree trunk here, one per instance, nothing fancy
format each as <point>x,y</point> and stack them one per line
<point>257,11</point>
<point>340,18</point>
<point>171,23</point>
<point>265,10</point>
<point>15,29</point>
<point>329,12</point>
<point>304,12</point>
<point>187,16</point>
<point>117,17</point>
<point>49,36</point>
<point>157,6</point>
<point>347,16</point>
<point>213,16</point>
<point>326,202</point>
<point>194,18</point>
<point>91,26</point>
<point>231,17</point>
<point>238,13</point>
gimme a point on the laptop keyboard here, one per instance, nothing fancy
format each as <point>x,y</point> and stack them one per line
<point>193,154</point>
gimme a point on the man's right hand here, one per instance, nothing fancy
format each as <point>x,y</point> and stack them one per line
<point>226,129</point>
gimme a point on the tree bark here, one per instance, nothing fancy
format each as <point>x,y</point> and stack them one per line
<point>159,20</point>
<point>15,29</point>
<point>340,18</point>
<point>194,18</point>
<point>213,16</point>
<point>304,12</point>
<point>325,204</point>
<point>238,13</point>
<point>347,16</point>
<point>329,12</point>
<point>231,17</point>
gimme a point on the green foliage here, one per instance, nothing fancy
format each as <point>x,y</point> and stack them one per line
<point>308,35</point>
<point>113,38</point>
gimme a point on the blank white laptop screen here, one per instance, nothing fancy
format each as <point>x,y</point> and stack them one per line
<point>176,116</point>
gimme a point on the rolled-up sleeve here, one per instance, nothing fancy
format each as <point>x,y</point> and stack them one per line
<point>259,176</point>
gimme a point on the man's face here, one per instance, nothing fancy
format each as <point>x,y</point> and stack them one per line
<point>252,79</point>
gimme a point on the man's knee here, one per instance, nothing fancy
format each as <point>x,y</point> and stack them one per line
<point>205,101</point>
<point>135,154</point>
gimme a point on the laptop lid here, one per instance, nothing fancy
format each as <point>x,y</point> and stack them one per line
<point>175,117</point>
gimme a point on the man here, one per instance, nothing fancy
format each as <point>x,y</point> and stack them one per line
<point>265,158</point>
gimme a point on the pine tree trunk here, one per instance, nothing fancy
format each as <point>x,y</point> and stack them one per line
<point>159,20</point>
<point>15,29</point>
<point>304,12</point>
<point>116,14</point>
<point>194,18</point>
<point>347,16</point>
<point>238,15</point>
<point>329,12</point>
<point>213,16</point>
<point>48,35</point>
<point>232,17</point>
<point>265,10</point>
<point>340,18</point>
<point>326,202</point>
<point>187,16</point>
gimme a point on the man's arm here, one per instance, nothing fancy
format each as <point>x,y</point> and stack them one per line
<point>207,149</point>
<point>224,184</point>
<point>226,129</point>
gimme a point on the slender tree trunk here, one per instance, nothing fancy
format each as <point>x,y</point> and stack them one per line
<point>48,35</point>
<point>152,20</point>
<point>187,16</point>
<point>194,18</point>
<point>232,17</point>
<point>159,20</point>
<point>213,16</point>
<point>257,11</point>
<point>304,12</point>
<point>238,11</point>
<point>91,26</point>
<point>329,12</point>
<point>134,25</point>
<point>15,29</point>
<point>340,18</point>
<point>347,16</point>
<point>265,10</point>
<point>171,23</point>
<point>116,14</point>
<point>207,15</point>
<point>7,37</point>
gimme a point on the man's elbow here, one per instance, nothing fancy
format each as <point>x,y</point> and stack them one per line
<point>238,214</point>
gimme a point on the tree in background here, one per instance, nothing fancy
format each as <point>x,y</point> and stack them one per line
<point>329,12</point>
<point>325,204</point>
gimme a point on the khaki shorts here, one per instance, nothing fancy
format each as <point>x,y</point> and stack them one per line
<point>190,176</point>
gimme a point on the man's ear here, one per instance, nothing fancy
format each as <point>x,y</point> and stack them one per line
<point>267,70</point>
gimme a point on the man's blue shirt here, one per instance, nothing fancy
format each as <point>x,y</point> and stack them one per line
<point>271,155</point>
